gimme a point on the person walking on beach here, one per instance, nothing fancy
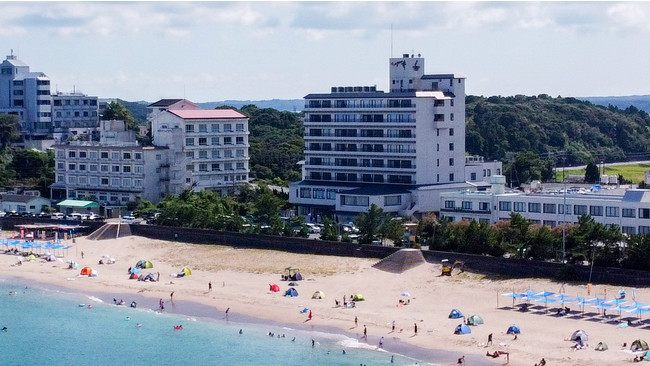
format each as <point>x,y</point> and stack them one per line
<point>415,328</point>
<point>82,254</point>
<point>381,342</point>
<point>356,322</point>
<point>162,305</point>
<point>227,310</point>
<point>171,297</point>
<point>309,316</point>
<point>210,286</point>
<point>393,326</point>
<point>489,342</point>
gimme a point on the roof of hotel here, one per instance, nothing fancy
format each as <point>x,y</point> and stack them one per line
<point>165,102</point>
<point>381,94</point>
<point>207,113</point>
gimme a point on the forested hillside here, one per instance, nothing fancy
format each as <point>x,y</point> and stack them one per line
<point>276,140</point>
<point>565,129</point>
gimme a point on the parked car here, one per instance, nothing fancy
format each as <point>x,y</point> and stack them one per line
<point>44,215</point>
<point>95,217</point>
<point>58,216</point>
<point>313,228</point>
<point>128,219</point>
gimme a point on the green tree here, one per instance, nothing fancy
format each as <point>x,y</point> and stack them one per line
<point>328,232</point>
<point>369,224</point>
<point>592,174</point>
<point>638,252</point>
<point>392,229</point>
<point>116,110</point>
<point>9,128</point>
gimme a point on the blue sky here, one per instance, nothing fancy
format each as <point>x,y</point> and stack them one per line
<point>209,51</point>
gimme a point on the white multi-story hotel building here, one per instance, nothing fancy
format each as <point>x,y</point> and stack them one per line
<point>628,209</point>
<point>212,144</point>
<point>398,150</point>
<point>41,115</point>
<point>115,170</point>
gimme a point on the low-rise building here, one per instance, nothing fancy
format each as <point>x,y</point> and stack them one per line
<point>626,208</point>
<point>23,203</point>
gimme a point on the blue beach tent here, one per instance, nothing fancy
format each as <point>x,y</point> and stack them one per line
<point>513,330</point>
<point>462,329</point>
<point>292,292</point>
<point>455,314</point>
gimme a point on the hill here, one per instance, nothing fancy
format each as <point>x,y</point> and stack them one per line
<point>567,129</point>
<point>287,105</point>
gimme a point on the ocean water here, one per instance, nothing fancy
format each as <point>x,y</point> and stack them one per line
<point>50,326</point>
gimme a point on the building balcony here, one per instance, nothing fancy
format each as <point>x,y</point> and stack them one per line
<point>465,210</point>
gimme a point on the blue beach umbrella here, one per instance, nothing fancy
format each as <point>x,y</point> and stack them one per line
<point>603,307</point>
<point>619,309</point>
<point>546,300</point>
<point>637,311</point>
<point>544,293</point>
<point>615,301</point>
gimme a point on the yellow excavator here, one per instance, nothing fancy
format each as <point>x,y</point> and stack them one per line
<point>448,267</point>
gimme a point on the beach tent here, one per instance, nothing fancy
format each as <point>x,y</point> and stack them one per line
<point>318,295</point>
<point>144,264</point>
<point>296,277</point>
<point>580,336</point>
<point>31,257</point>
<point>86,271</point>
<point>475,320</point>
<point>358,297</point>
<point>513,329</point>
<point>455,314</point>
<point>291,292</point>
<point>51,258</point>
<point>601,346</point>
<point>274,288</point>
<point>639,345</point>
<point>134,276</point>
<point>187,271</point>
<point>646,355</point>
<point>462,329</point>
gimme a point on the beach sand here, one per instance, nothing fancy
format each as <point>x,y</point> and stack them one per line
<point>240,281</point>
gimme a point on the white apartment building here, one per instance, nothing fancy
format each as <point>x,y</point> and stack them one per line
<point>398,150</point>
<point>628,209</point>
<point>210,145</point>
<point>115,170</point>
<point>41,115</point>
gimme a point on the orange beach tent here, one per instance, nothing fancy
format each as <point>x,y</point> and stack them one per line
<point>87,271</point>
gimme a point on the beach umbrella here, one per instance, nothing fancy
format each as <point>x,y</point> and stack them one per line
<point>636,304</point>
<point>513,295</point>
<point>637,311</point>
<point>598,300</point>
<point>619,309</point>
<point>615,301</point>
<point>528,293</point>
<point>603,307</point>
<point>546,300</point>
<point>544,293</point>
<point>562,296</point>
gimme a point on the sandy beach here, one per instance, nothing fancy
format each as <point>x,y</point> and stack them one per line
<point>240,281</point>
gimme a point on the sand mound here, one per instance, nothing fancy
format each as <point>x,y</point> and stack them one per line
<point>110,231</point>
<point>401,261</point>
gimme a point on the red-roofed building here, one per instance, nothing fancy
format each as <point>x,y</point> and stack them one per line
<point>210,146</point>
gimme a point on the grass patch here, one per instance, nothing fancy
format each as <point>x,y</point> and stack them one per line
<point>632,172</point>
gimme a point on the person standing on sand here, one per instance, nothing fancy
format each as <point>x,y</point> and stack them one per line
<point>415,328</point>
<point>489,342</point>
<point>210,286</point>
<point>309,316</point>
<point>356,321</point>
<point>82,254</point>
<point>365,333</point>
<point>381,342</point>
<point>171,297</point>
<point>227,310</point>
<point>393,326</point>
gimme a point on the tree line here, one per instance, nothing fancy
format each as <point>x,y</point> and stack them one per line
<point>586,242</point>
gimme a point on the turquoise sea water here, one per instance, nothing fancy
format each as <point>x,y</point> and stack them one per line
<point>48,326</point>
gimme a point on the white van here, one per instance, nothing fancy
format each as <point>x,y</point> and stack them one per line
<point>58,216</point>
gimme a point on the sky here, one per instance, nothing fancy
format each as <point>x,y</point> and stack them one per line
<point>214,51</point>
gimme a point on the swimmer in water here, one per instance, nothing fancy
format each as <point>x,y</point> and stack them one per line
<point>241,331</point>
<point>127,318</point>
<point>4,329</point>
<point>294,339</point>
<point>344,352</point>
<point>139,325</point>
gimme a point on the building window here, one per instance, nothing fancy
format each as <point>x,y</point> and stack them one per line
<point>104,155</point>
<point>596,210</point>
<point>534,207</point>
<point>451,177</point>
<point>580,210</point>
<point>203,167</point>
<point>126,155</point>
<point>450,204</point>
<point>505,206</point>
<point>239,141</point>
<point>549,208</point>
<point>644,230</point>
<point>72,154</point>
<point>214,127</point>
<point>227,140</point>
<point>472,176</point>
<point>189,141</point>
<point>227,127</point>
<point>240,166</point>
<point>611,211</point>
<point>561,209</point>
<point>203,154</point>
<point>216,154</point>
<point>239,127</point>
<point>203,128</point>
<point>549,223</point>
<point>451,146</point>
<point>203,141</point>
<point>138,156</point>
<point>189,128</point>
<point>520,206</point>
<point>484,206</point>
<point>126,169</point>
<point>215,167</point>
<point>104,181</point>
<point>189,167</point>
<point>72,166</point>
<point>116,182</point>
<point>104,168</point>
<point>644,213</point>
<point>628,212</point>
<point>392,200</point>
<point>629,230</point>
<point>189,154</point>
<point>214,141</point>
<point>115,168</point>
<point>467,205</point>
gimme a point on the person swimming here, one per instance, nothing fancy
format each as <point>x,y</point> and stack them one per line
<point>139,325</point>
<point>4,329</point>
<point>241,331</point>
